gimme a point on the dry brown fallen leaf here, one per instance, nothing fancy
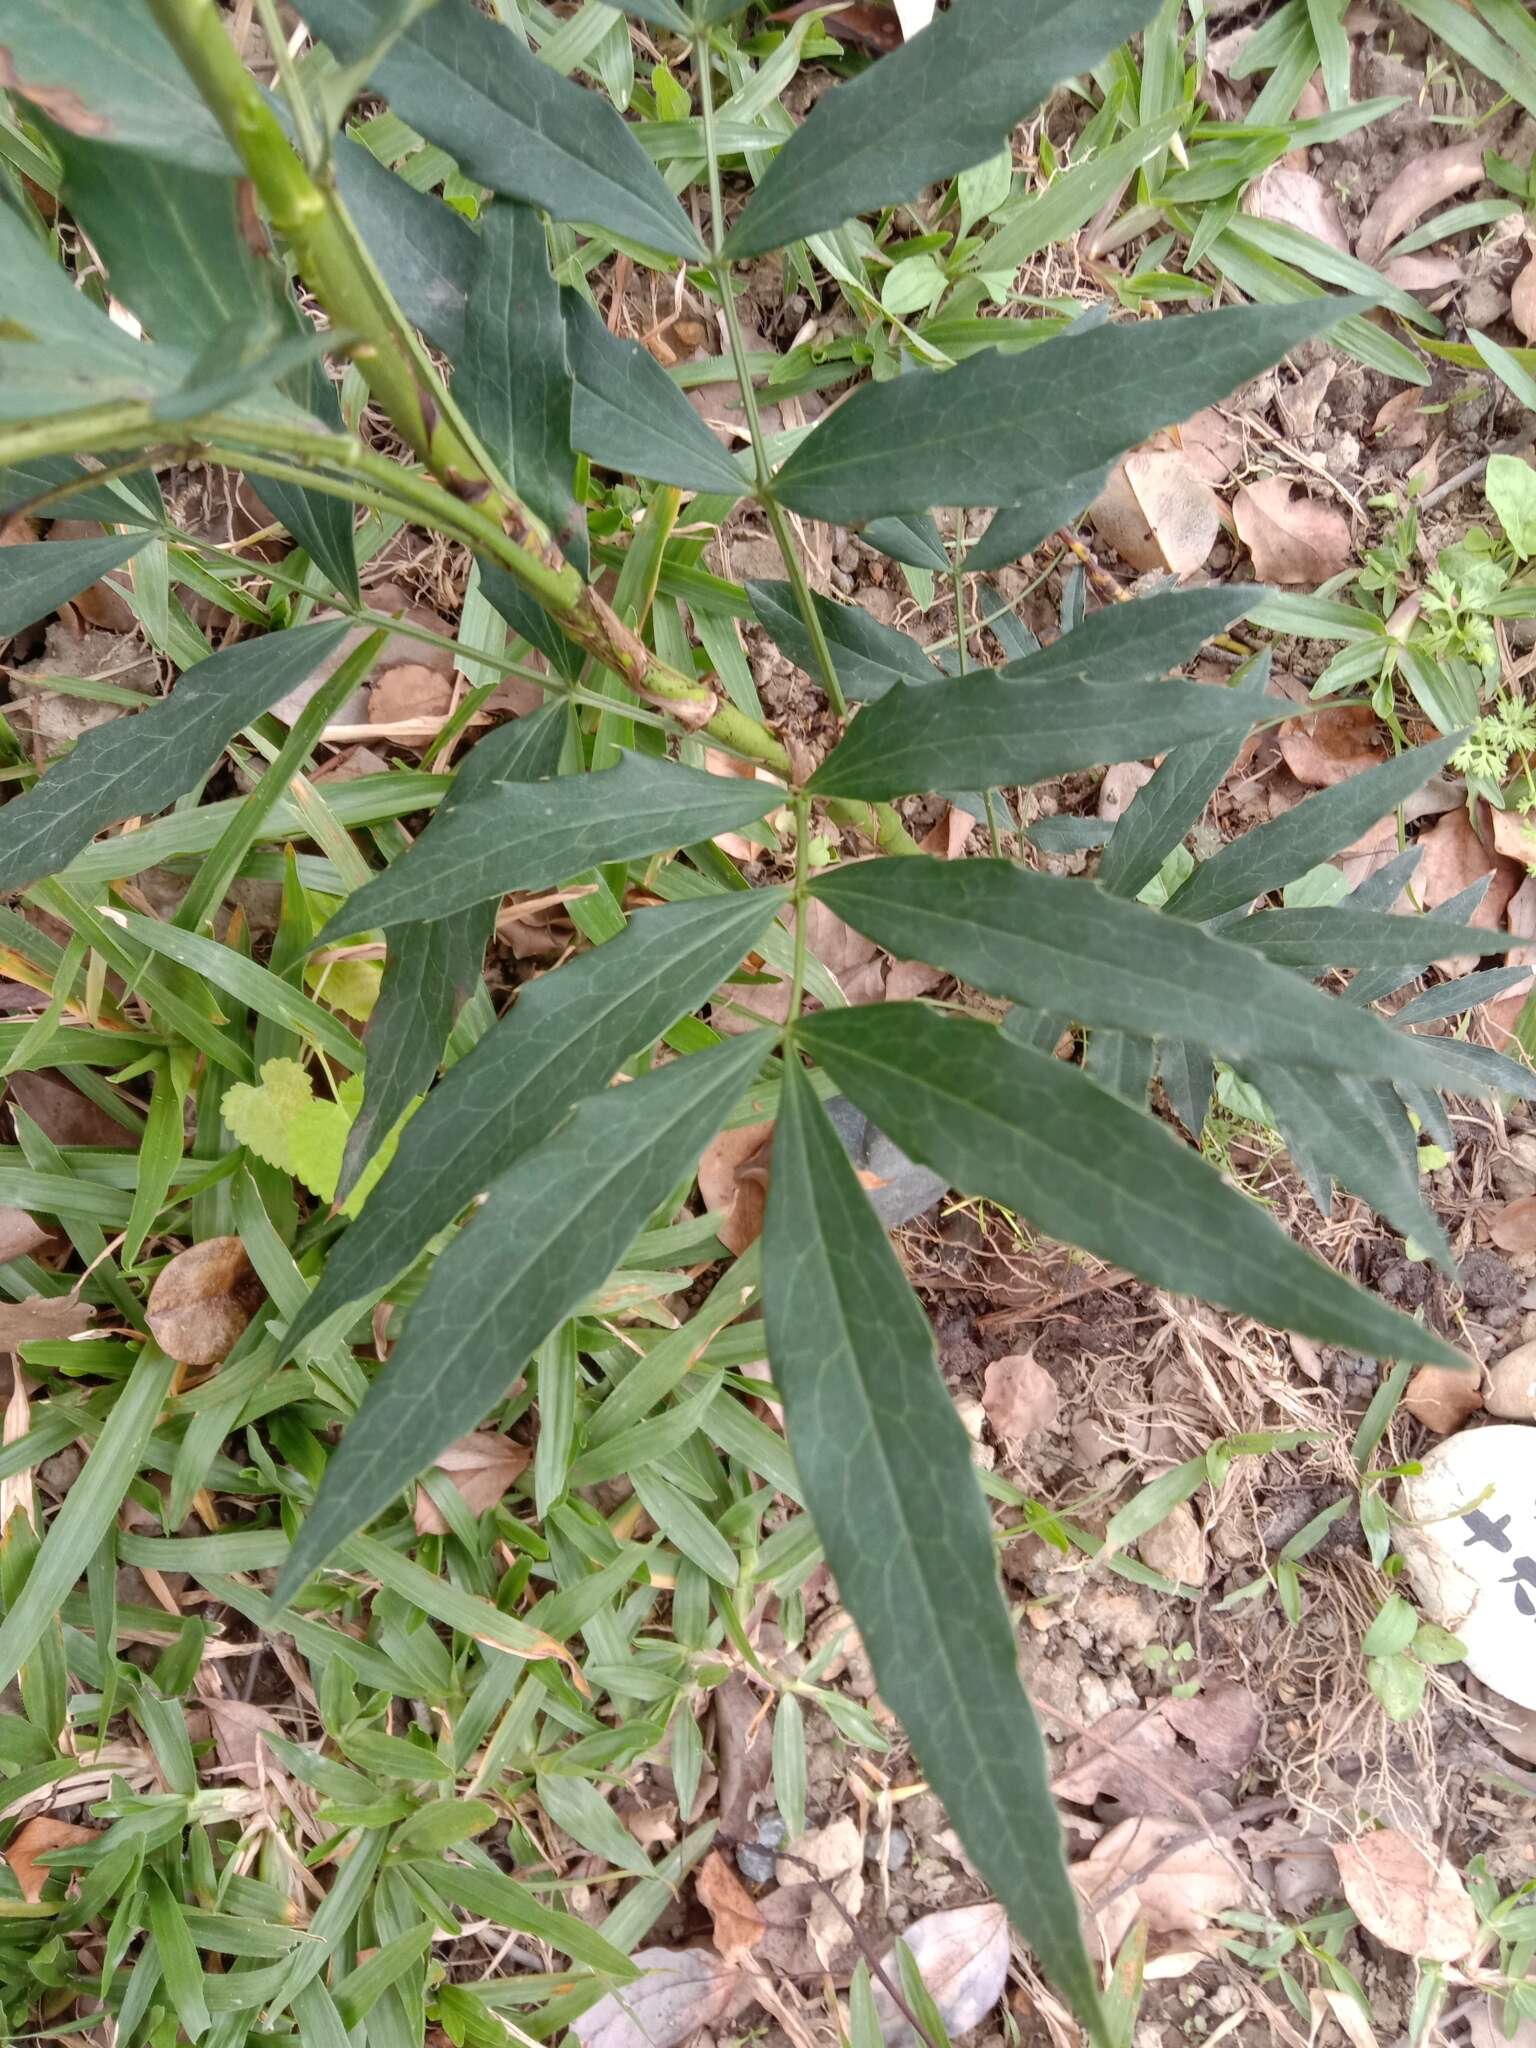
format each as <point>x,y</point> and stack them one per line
<point>733,1179</point>
<point>1513,1228</point>
<point>1452,858</point>
<point>1423,182</point>
<point>237,1727</point>
<point>1401,422</point>
<point>738,1925</point>
<point>1522,302</point>
<point>1331,745</point>
<point>202,1301</point>
<point>19,1234</point>
<point>1300,200</point>
<point>962,1958</point>
<point>681,1992</point>
<point>37,1838</point>
<point>1132,1756</point>
<point>1514,834</point>
<point>1020,1397</point>
<point>1503,1013</point>
<point>1292,538</point>
<point>42,1316</point>
<point>409,691</point>
<point>1120,784</point>
<point>482,1466</point>
<point>64,1114</point>
<point>1442,1398</point>
<point>1158,512</point>
<point>1224,1722</point>
<point>1182,1892</point>
<point>1408,1897</point>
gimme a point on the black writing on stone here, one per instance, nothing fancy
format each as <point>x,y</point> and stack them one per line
<point>1523,1579</point>
<point>1486,1530</point>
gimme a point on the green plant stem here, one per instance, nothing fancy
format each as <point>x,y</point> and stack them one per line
<point>963,656</point>
<point>802,902</point>
<point>794,567</point>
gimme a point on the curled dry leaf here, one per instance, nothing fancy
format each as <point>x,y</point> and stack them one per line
<point>962,1958</point>
<point>202,1301</point>
<point>682,1991</point>
<point>1442,1398</point>
<point>482,1466</point>
<point>42,1316</point>
<point>738,1925</point>
<point>733,1179</point>
<point>1330,746</point>
<point>37,1838</point>
<point>1019,1396</point>
<point>1408,1897</point>
<point>1292,538</point>
<point>1423,182</point>
<point>1225,1724</point>
<point>1298,199</point>
<point>1513,1228</point>
<point>1401,422</point>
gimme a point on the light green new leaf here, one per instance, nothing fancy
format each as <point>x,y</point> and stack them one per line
<point>1315,830</point>
<point>1062,945</point>
<point>136,766</point>
<point>89,1510</point>
<point>562,1039</point>
<point>870,657</point>
<point>469,85</point>
<point>1002,427</point>
<point>999,1119</point>
<point>549,1233</point>
<point>982,731</point>
<point>36,577</point>
<point>628,415</point>
<point>944,101</point>
<point>512,376</point>
<point>535,835</point>
<point>888,1478</point>
<point>431,968</point>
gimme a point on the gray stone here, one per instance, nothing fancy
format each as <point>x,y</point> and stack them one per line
<point>906,1189</point>
<point>755,1863</point>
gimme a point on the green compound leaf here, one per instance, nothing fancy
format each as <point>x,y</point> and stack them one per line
<point>982,731</point>
<point>1059,944</point>
<point>36,577</point>
<point>887,1473</point>
<point>990,431</point>
<point>545,1238</point>
<point>136,766</point>
<point>944,101</point>
<point>1134,643</point>
<point>535,835</point>
<point>562,1040</point>
<point>1315,830</point>
<point>469,85</point>
<point>999,1119</point>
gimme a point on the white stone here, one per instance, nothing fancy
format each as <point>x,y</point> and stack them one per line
<point>1467,1533</point>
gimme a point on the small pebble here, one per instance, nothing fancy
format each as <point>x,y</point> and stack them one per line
<point>772,1830</point>
<point>897,1854</point>
<point>755,1863</point>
